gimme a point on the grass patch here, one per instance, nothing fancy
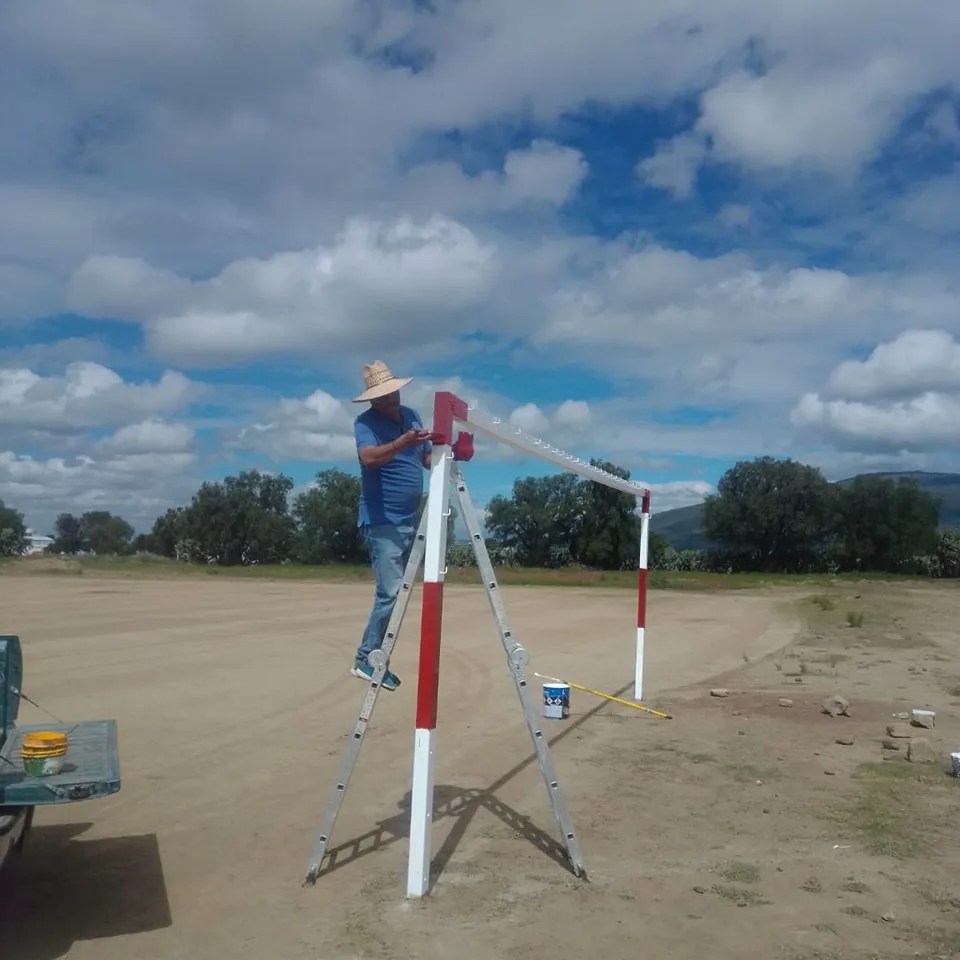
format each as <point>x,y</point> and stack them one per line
<point>751,773</point>
<point>855,910</point>
<point>148,566</point>
<point>854,618</point>
<point>752,898</point>
<point>812,885</point>
<point>855,886</point>
<point>890,810</point>
<point>739,872</point>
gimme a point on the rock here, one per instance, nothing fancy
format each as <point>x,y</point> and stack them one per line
<point>830,773</point>
<point>887,917</point>
<point>900,730</point>
<point>699,889</point>
<point>784,702</point>
<point>920,750</point>
<point>836,706</point>
<point>924,718</point>
<point>845,741</point>
<point>719,692</point>
<point>890,744</point>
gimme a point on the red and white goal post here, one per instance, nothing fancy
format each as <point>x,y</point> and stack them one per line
<point>450,412</point>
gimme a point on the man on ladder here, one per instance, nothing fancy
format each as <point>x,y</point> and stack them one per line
<point>393,449</point>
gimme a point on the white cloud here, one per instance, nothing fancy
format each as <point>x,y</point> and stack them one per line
<point>831,120</point>
<point>674,165</point>
<point>316,428</point>
<point>138,486</point>
<point>915,361</point>
<point>150,436</point>
<point>572,414</point>
<point>87,395</point>
<point>545,173</point>
<point>905,396</point>
<point>530,418</point>
<point>929,419</point>
<point>418,276</point>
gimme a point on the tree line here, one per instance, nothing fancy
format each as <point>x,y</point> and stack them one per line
<point>768,515</point>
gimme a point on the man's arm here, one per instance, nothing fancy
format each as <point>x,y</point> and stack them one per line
<point>377,455</point>
<point>373,455</point>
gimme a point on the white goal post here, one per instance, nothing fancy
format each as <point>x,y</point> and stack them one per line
<point>450,412</point>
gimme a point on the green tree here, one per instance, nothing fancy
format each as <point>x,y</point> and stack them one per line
<point>168,531</point>
<point>882,523</point>
<point>326,518</point>
<point>541,521</point>
<point>609,527</point>
<point>240,520</point>
<point>13,532</point>
<point>68,535</point>
<point>657,547</point>
<point>770,515</point>
<point>105,533</point>
<point>948,553</point>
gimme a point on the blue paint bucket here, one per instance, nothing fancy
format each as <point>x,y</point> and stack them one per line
<point>556,701</point>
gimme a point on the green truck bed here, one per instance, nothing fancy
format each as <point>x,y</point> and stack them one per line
<point>91,768</point>
<point>92,765</point>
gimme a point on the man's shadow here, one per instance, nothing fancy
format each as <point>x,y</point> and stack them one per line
<point>61,890</point>
<point>462,803</point>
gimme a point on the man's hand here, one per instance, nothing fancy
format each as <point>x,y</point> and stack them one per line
<point>413,437</point>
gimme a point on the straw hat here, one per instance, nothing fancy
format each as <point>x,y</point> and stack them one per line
<point>379,381</point>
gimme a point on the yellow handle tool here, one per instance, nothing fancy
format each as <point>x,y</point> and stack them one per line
<point>607,696</point>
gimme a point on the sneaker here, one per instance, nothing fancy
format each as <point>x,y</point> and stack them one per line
<point>365,672</point>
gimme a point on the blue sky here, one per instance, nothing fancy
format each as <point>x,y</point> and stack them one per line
<point>670,239</point>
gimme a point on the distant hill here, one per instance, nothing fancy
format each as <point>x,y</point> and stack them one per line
<point>682,527</point>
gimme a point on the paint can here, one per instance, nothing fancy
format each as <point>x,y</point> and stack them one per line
<point>556,701</point>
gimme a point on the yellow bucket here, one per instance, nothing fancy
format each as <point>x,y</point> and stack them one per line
<point>44,753</point>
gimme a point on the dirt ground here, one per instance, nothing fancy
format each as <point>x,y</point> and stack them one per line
<point>741,826</point>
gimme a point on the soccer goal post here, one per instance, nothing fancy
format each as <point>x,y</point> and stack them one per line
<point>451,412</point>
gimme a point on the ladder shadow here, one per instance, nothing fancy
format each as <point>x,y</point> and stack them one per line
<point>463,804</point>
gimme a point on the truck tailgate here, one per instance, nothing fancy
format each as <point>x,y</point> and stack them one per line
<point>91,768</point>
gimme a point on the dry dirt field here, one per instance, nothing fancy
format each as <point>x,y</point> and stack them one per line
<point>741,827</point>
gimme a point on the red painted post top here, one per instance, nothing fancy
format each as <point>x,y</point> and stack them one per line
<point>447,407</point>
<point>645,502</point>
<point>463,448</point>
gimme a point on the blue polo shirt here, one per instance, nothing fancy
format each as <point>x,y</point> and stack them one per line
<point>391,493</point>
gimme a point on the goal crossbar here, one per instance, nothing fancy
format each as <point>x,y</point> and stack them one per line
<point>450,410</point>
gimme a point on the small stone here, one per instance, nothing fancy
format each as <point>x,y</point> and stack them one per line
<point>798,679</point>
<point>845,741</point>
<point>836,706</point>
<point>784,702</point>
<point>719,692</point>
<point>900,730</point>
<point>890,744</point>
<point>766,809</point>
<point>920,750</point>
<point>699,889</point>
<point>927,719</point>
<point>887,917</point>
<point>830,773</point>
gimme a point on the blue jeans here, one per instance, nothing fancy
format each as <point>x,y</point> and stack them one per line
<point>389,548</point>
